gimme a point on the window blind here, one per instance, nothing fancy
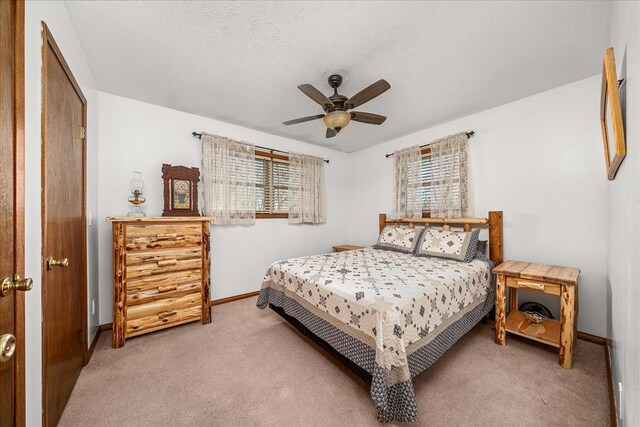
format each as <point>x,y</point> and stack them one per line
<point>431,172</point>
<point>272,178</point>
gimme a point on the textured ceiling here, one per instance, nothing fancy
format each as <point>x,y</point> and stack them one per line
<point>240,62</point>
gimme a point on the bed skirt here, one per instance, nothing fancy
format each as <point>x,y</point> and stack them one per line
<point>395,403</point>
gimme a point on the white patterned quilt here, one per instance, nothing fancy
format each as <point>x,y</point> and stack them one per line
<point>389,300</point>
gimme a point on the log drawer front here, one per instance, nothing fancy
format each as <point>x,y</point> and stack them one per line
<point>160,274</point>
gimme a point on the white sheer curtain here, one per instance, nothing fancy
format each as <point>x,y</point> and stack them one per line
<point>229,171</point>
<point>307,197</point>
<point>449,192</point>
<point>407,200</point>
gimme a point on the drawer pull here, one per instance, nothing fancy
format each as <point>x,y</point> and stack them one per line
<point>531,285</point>
<point>167,262</point>
<point>169,288</point>
<point>164,236</point>
<point>166,314</point>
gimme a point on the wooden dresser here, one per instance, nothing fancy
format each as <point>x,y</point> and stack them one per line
<point>160,274</point>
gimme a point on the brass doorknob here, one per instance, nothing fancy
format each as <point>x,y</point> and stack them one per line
<point>7,347</point>
<point>16,284</point>
<point>52,262</point>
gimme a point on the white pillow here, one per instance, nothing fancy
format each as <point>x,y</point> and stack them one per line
<point>458,245</point>
<point>400,239</point>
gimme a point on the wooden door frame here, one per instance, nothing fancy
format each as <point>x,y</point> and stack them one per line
<point>49,46</point>
<point>18,213</point>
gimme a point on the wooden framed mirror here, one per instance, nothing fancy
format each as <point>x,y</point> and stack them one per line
<point>611,117</point>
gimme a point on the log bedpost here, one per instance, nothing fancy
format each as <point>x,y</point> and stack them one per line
<point>382,221</point>
<point>496,246</point>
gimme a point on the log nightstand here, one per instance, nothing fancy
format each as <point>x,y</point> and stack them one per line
<point>548,279</point>
<point>343,248</point>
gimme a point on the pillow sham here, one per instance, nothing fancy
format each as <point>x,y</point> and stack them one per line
<point>482,246</point>
<point>457,245</point>
<point>400,239</point>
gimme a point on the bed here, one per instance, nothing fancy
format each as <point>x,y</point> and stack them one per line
<point>388,315</point>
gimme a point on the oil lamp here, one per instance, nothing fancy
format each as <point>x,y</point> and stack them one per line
<point>136,199</point>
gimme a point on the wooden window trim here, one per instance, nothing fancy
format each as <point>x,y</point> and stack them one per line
<point>271,155</point>
<point>262,215</point>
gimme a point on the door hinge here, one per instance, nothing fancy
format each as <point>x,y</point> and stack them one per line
<point>82,132</point>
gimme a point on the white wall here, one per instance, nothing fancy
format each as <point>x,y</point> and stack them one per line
<point>540,161</point>
<point>623,267</point>
<point>140,136</point>
<point>55,15</point>
<point>532,158</point>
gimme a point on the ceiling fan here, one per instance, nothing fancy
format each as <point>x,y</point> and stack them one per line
<point>336,106</point>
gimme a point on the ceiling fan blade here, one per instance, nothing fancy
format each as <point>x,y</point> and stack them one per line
<point>368,93</point>
<point>369,118</point>
<point>316,95</point>
<point>331,133</point>
<point>303,119</point>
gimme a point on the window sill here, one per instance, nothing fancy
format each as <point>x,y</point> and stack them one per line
<point>271,216</point>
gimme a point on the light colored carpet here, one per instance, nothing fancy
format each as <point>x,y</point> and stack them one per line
<point>251,368</point>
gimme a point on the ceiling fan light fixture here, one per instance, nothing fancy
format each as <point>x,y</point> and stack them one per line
<point>337,106</point>
<point>337,120</point>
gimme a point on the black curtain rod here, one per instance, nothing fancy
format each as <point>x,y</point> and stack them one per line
<point>469,135</point>
<point>272,150</point>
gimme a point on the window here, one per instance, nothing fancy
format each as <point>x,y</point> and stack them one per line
<point>431,174</point>
<point>272,177</point>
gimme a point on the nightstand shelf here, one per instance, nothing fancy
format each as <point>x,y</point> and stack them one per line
<point>547,332</point>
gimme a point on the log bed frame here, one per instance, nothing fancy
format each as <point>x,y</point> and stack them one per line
<point>493,223</point>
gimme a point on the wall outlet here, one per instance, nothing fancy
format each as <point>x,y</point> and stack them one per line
<point>93,306</point>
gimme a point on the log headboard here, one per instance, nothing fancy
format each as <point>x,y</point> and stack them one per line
<point>493,223</point>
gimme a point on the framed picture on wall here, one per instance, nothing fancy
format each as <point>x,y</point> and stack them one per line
<point>611,120</point>
<point>180,190</point>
